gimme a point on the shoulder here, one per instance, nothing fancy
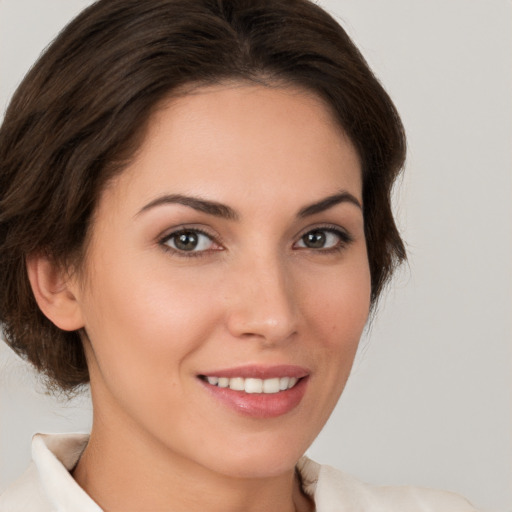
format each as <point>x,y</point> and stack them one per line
<point>331,489</point>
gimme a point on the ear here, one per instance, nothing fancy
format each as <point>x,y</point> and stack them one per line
<point>55,293</point>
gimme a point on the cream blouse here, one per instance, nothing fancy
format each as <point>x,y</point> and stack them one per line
<point>47,486</point>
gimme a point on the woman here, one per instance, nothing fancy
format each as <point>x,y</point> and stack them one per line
<point>195,218</point>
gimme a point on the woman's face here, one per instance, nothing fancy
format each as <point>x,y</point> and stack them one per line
<point>231,252</point>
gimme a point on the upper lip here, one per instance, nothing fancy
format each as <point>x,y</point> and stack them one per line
<point>260,372</point>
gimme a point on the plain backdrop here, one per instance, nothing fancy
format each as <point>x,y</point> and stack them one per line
<point>429,401</point>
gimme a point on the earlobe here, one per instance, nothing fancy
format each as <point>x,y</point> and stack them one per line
<point>55,294</point>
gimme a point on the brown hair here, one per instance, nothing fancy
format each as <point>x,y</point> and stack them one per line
<point>81,111</point>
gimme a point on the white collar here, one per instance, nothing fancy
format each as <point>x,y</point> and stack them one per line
<point>55,456</point>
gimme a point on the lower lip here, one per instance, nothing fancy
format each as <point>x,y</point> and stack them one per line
<point>260,405</point>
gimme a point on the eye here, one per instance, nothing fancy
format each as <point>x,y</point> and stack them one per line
<point>189,240</point>
<point>324,239</point>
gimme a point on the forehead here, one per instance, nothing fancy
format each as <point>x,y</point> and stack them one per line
<point>257,138</point>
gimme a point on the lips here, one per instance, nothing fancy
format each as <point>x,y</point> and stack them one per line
<point>259,392</point>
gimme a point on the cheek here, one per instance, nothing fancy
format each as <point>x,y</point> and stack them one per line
<point>142,322</point>
<point>143,334</point>
<point>338,306</point>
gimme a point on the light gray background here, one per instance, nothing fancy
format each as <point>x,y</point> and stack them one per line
<point>429,401</point>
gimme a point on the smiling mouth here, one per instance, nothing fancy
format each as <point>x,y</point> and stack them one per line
<point>253,385</point>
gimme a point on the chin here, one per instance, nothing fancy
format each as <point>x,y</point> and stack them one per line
<point>258,460</point>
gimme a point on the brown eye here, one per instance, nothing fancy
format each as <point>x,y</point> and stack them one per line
<point>324,239</point>
<point>315,239</point>
<point>189,241</point>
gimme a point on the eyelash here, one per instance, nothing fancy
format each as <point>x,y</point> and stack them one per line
<point>344,239</point>
<point>188,254</point>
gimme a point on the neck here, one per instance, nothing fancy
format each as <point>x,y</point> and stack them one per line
<point>122,470</point>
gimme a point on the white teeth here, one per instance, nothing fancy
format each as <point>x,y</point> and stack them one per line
<point>283,383</point>
<point>251,385</point>
<point>237,384</point>
<point>271,386</point>
<point>223,382</point>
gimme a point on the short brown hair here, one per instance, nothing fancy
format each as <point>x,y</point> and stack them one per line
<point>80,114</point>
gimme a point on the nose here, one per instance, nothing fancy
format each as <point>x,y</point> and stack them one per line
<point>263,302</point>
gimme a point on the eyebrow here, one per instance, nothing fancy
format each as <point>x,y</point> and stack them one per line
<point>329,202</point>
<point>225,212</point>
<point>201,205</point>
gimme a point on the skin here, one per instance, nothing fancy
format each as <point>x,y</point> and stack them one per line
<point>156,318</point>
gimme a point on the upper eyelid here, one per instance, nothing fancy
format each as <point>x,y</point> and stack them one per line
<point>169,233</point>
<point>333,228</point>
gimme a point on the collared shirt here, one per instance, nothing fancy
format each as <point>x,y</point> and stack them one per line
<point>47,486</point>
